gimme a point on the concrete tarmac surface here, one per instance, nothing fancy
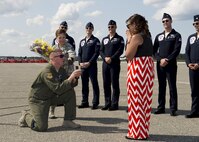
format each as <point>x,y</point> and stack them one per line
<point>96,125</point>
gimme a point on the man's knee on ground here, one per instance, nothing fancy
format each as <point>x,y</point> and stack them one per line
<point>39,127</point>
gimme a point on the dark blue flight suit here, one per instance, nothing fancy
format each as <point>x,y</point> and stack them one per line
<point>70,40</point>
<point>89,52</point>
<point>167,47</point>
<point>192,56</point>
<point>113,48</point>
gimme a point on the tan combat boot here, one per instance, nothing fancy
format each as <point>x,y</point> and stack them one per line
<point>22,122</point>
<point>52,112</point>
<point>70,124</point>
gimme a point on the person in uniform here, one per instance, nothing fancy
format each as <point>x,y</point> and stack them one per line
<point>88,53</point>
<point>167,46</point>
<point>140,76</point>
<point>52,86</point>
<point>64,26</point>
<point>69,58</point>
<point>112,47</point>
<point>192,61</point>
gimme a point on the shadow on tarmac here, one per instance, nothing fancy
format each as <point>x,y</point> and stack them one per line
<point>179,112</point>
<point>91,129</point>
<point>107,120</point>
<point>173,138</point>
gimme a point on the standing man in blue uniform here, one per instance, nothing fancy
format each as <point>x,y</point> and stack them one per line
<point>192,61</point>
<point>112,47</point>
<point>64,26</point>
<point>88,53</point>
<point>167,47</point>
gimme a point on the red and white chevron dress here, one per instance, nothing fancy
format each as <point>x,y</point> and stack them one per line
<point>140,78</point>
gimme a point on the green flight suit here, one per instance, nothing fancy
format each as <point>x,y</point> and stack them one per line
<point>51,87</point>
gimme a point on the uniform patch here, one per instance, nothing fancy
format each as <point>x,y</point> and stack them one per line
<point>115,40</point>
<point>160,37</point>
<point>83,43</point>
<point>192,40</point>
<point>172,36</point>
<point>90,42</point>
<point>106,41</point>
<point>49,75</point>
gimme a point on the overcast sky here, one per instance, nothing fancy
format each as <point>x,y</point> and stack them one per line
<point>23,21</point>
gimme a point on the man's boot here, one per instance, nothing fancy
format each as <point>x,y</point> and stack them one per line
<point>52,112</point>
<point>70,124</point>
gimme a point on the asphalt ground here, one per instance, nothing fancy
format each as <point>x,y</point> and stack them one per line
<point>96,125</point>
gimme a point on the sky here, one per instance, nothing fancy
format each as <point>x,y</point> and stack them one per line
<point>23,21</point>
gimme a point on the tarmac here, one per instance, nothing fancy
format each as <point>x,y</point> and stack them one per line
<point>96,125</point>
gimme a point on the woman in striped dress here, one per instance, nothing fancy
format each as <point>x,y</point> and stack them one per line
<point>140,76</point>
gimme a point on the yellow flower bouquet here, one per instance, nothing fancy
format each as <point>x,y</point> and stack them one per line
<point>42,48</point>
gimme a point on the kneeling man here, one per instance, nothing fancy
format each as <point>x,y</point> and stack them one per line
<point>52,86</point>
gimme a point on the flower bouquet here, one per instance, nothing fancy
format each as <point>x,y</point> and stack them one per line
<point>42,48</point>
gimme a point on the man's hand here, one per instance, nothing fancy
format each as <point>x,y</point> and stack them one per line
<point>193,66</point>
<point>196,66</point>
<point>108,60</point>
<point>85,64</point>
<point>163,62</point>
<point>75,74</point>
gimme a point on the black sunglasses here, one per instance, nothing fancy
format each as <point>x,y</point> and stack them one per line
<point>89,28</point>
<point>127,26</point>
<point>60,56</point>
<point>165,21</point>
<point>110,27</point>
<point>63,27</point>
<point>195,24</point>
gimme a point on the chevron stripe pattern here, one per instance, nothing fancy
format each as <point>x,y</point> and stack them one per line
<point>140,78</point>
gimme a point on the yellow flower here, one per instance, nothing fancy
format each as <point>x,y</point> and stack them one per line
<point>41,47</point>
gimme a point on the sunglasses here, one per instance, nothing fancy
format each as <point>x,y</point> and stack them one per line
<point>128,26</point>
<point>63,27</point>
<point>195,24</point>
<point>89,28</point>
<point>165,21</point>
<point>110,27</point>
<point>60,56</point>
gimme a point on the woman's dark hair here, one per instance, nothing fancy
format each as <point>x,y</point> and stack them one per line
<point>60,31</point>
<point>141,24</point>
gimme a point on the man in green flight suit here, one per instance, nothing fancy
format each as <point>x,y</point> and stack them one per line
<point>52,87</point>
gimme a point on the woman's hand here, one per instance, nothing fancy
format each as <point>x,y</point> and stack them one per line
<point>128,36</point>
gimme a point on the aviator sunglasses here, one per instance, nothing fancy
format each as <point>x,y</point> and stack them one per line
<point>128,26</point>
<point>165,21</point>
<point>60,56</point>
<point>63,27</point>
<point>110,27</point>
<point>196,24</point>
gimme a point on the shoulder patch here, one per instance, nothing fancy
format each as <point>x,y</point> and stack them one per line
<point>83,43</point>
<point>106,41</point>
<point>192,40</point>
<point>161,37</point>
<point>49,75</point>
